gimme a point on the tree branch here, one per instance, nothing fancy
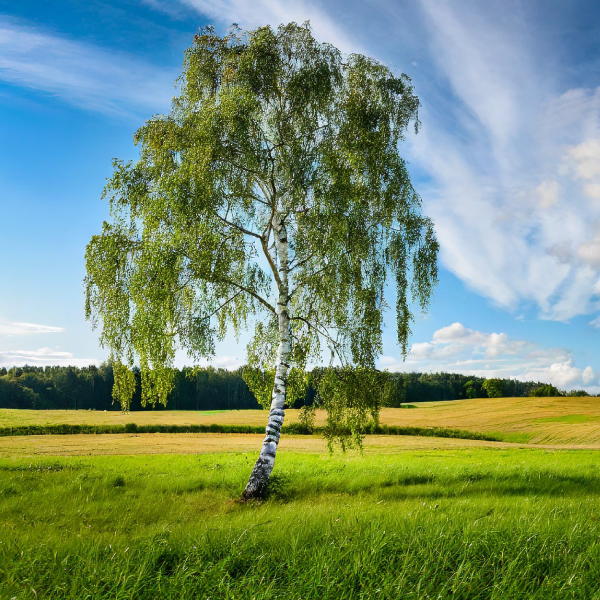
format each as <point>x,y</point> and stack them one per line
<point>252,293</point>
<point>264,241</point>
<point>305,279</point>
<point>212,314</point>
<point>336,345</point>
<point>238,227</point>
<point>302,262</point>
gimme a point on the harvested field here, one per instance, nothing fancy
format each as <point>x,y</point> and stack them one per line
<point>564,421</point>
<point>203,443</point>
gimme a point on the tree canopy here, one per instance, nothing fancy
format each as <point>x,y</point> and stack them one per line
<point>274,196</point>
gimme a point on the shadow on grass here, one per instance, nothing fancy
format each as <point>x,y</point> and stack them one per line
<point>429,486</point>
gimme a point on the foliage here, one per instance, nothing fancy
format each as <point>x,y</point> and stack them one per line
<point>13,395</point>
<point>546,391</point>
<point>90,388</point>
<point>260,383</point>
<point>304,426</point>
<point>493,387</point>
<point>270,130</point>
<point>577,393</point>
<point>307,418</point>
<point>352,398</point>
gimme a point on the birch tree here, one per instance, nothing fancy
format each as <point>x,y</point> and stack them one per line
<point>272,197</point>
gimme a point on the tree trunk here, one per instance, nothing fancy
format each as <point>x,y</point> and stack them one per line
<point>257,484</point>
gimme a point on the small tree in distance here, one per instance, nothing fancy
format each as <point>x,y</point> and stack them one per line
<point>493,387</point>
<point>273,195</point>
<point>546,391</point>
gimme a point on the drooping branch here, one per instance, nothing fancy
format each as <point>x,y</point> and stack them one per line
<point>251,292</point>
<point>228,301</point>
<point>337,346</point>
<point>305,280</point>
<point>238,227</point>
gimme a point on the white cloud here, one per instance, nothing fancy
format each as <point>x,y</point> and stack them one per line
<point>80,73</point>
<point>548,194</point>
<point>588,375</point>
<point>43,357</point>
<point>493,344</point>
<point>589,252</point>
<point>458,349</point>
<point>7,328</point>
<point>592,190</point>
<point>584,159</point>
<point>387,360</point>
<point>417,350</point>
<point>562,375</point>
<point>231,363</point>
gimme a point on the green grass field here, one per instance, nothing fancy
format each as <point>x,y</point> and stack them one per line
<point>462,523</point>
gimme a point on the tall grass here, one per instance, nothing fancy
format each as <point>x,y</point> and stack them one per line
<point>418,525</point>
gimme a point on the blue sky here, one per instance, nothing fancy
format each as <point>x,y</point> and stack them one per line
<point>507,163</point>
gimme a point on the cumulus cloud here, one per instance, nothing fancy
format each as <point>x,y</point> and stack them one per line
<point>548,194</point>
<point>7,328</point>
<point>589,252</point>
<point>81,73</point>
<point>493,344</point>
<point>584,159</point>
<point>562,375</point>
<point>458,349</point>
<point>43,357</point>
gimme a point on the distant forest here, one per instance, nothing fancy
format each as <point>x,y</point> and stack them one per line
<point>219,389</point>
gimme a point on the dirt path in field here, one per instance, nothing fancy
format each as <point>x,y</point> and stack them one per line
<point>183,443</point>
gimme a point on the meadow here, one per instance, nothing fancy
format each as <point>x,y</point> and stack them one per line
<point>158,515</point>
<point>453,523</point>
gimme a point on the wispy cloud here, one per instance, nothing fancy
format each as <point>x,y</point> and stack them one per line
<point>175,10</point>
<point>458,349</point>
<point>513,159</point>
<point>273,12</point>
<point>80,73</point>
<point>7,328</point>
<point>43,357</point>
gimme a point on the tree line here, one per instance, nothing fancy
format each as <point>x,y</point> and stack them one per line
<point>208,388</point>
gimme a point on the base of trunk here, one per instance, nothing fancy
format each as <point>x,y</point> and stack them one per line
<point>258,484</point>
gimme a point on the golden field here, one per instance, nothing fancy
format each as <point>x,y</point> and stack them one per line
<point>537,421</point>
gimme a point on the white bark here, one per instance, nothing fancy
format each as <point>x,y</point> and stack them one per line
<point>257,484</point>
